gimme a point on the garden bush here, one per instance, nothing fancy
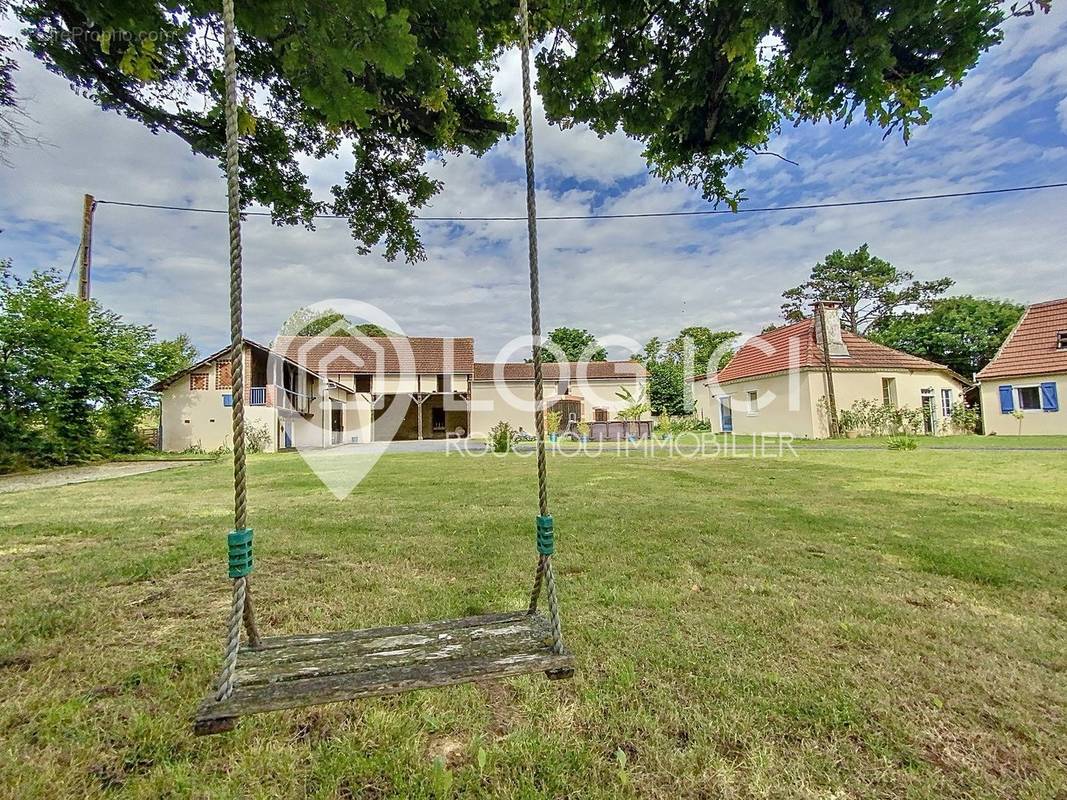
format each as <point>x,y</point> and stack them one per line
<point>501,437</point>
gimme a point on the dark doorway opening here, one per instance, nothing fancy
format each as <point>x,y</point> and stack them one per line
<point>337,425</point>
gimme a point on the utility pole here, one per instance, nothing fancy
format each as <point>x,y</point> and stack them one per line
<point>820,311</point>
<point>86,257</point>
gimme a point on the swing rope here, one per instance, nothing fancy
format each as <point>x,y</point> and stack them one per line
<point>240,539</point>
<point>544,573</point>
<point>241,608</point>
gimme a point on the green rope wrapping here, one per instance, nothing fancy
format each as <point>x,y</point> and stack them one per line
<point>240,546</point>
<point>546,540</point>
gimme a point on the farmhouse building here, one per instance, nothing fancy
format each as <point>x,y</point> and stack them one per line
<point>776,383</point>
<point>328,391</point>
<point>1020,387</point>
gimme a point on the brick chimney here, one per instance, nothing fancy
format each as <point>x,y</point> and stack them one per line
<point>831,311</point>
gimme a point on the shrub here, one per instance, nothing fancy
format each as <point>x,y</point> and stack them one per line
<point>552,422</point>
<point>673,426</point>
<point>501,437</point>
<point>635,405</point>
<point>964,418</point>
<point>902,443</point>
<point>849,419</point>
<point>257,437</point>
<point>120,429</point>
<point>875,418</point>
<point>908,420</point>
<point>583,429</point>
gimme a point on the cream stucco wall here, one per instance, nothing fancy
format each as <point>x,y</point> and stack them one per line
<point>1034,423</point>
<point>850,386</point>
<point>198,417</point>
<point>793,403</point>
<point>403,384</point>
<point>512,401</point>
<point>783,404</point>
<point>396,384</point>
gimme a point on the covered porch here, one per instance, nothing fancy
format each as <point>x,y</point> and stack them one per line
<point>417,416</point>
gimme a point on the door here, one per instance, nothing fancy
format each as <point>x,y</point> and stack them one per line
<point>726,415</point>
<point>570,412</point>
<point>437,420</point>
<point>287,433</point>
<point>337,425</point>
<point>928,411</point>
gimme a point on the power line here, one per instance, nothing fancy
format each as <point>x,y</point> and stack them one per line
<point>644,214</point>
<point>73,264</point>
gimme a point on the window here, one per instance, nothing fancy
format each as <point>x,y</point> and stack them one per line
<point>1061,340</point>
<point>946,402</point>
<point>1029,398</point>
<point>753,403</point>
<point>437,419</point>
<point>889,391</point>
<point>362,383</point>
<point>444,384</point>
<point>563,386</point>
<point>227,400</point>
<point>198,381</point>
<point>600,415</point>
<point>222,375</point>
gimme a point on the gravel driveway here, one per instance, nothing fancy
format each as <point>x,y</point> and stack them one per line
<point>99,472</point>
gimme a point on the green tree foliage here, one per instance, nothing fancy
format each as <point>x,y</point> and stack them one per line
<point>172,355</point>
<point>370,329</point>
<point>869,289</point>
<point>577,344</point>
<point>12,116</point>
<point>73,375</point>
<point>392,80</point>
<point>334,322</point>
<point>710,349</point>
<point>702,85</point>
<point>963,332</point>
<point>328,322</point>
<point>8,67</point>
<point>668,365</point>
<point>636,404</point>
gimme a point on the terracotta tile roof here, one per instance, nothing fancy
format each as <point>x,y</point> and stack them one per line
<point>795,346</point>
<point>589,370</point>
<point>385,354</point>
<point>1031,348</point>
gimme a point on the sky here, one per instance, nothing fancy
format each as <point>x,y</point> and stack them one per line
<point>1005,126</point>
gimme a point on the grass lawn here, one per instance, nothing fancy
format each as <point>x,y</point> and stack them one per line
<point>864,624</point>
<point>928,442</point>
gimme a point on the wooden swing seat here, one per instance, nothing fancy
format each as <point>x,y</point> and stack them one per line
<point>305,670</point>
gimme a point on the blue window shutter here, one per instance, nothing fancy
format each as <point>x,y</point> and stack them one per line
<point>1049,400</point>
<point>227,400</point>
<point>1007,402</point>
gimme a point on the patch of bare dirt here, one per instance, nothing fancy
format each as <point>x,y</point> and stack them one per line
<point>451,750</point>
<point>503,712</point>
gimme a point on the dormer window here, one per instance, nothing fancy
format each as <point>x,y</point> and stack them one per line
<point>1061,340</point>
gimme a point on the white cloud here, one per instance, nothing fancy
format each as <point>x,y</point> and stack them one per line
<point>635,277</point>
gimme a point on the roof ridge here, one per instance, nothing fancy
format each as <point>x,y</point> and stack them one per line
<point>1028,356</point>
<point>1047,303</point>
<point>605,361</point>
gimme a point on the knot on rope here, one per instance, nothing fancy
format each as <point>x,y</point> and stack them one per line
<point>546,538</point>
<point>240,547</point>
